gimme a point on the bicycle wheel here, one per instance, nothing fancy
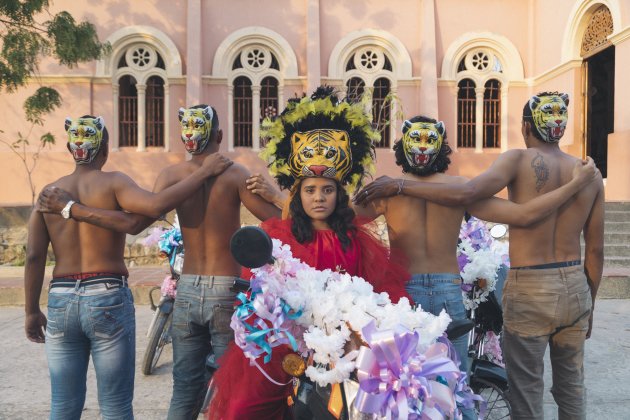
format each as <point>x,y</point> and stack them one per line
<point>498,406</point>
<point>159,336</point>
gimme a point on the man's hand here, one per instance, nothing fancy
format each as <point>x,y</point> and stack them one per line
<point>216,164</point>
<point>52,200</point>
<point>585,171</point>
<point>590,326</point>
<point>381,187</point>
<point>259,185</point>
<point>35,324</point>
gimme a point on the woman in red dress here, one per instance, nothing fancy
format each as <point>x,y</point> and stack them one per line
<point>317,147</point>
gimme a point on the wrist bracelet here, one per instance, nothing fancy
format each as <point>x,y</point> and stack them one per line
<point>400,186</point>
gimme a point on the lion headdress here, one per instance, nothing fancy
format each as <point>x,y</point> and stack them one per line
<point>320,136</point>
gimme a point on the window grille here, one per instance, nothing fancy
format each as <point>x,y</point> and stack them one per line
<point>242,112</point>
<point>155,112</point>
<point>127,112</point>
<point>466,113</point>
<point>492,114</point>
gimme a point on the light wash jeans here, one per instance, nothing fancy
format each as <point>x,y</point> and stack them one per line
<point>98,321</point>
<point>437,291</point>
<point>201,325</point>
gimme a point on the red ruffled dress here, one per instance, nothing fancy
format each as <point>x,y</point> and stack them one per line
<point>242,391</point>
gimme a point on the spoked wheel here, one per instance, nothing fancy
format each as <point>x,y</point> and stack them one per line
<point>159,336</point>
<point>497,405</point>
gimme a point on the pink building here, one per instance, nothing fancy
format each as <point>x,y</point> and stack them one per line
<point>471,64</point>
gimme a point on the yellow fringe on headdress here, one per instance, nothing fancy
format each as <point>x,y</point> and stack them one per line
<point>355,115</point>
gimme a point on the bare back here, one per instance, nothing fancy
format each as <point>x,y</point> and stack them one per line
<point>210,216</point>
<point>557,237</point>
<point>425,231</point>
<point>82,247</point>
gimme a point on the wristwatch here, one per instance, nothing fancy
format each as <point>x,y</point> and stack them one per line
<point>65,213</point>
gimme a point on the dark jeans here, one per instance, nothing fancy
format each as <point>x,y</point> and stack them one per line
<point>201,325</point>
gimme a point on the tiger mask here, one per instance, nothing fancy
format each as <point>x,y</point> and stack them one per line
<point>320,153</point>
<point>550,115</point>
<point>85,137</point>
<point>422,142</point>
<point>196,128</point>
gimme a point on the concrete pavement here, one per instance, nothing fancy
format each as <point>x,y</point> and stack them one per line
<point>25,387</point>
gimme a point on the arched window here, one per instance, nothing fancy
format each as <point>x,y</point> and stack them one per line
<point>242,112</point>
<point>369,67</point>
<point>492,114</point>
<point>479,107</point>
<point>155,112</point>
<point>466,113</point>
<point>127,112</point>
<point>381,110</point>
<point>142,94</point>
<point>255,94</point>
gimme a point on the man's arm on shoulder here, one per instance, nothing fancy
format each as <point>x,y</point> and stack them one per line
<point>594,246</point>
<point>52,200</point>
<point>493,180</point>
<point>371,210</point>
<point>504,211</point>
<point>36,251</point>
<point>259,207</point>
<point>137,200</point>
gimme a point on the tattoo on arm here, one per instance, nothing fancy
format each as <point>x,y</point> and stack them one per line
<point>541,170</point>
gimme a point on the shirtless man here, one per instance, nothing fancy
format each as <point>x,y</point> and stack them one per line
<point>426,232</point>
<point>549,294</point>
<point>208,218</point>
<point>90,308</point>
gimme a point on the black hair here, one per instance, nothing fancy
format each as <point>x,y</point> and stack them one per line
<point>340,221</point>
<point>441,162</point>
<point>527,113</point>
<point>215,116</point>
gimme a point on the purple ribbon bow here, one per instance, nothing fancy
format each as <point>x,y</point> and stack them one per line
<point>396,381</point>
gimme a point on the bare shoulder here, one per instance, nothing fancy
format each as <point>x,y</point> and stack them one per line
<point>235,173</point>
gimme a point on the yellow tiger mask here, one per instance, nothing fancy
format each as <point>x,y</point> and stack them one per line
<point>422,142</point>
<point>549,113</point>
<point>85,136</point>
<point>196,128</point>
<point>320,153</point>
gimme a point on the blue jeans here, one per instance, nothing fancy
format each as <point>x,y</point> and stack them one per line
<point>437,291</point>
<point>98,321</point>
<point>201,325</point>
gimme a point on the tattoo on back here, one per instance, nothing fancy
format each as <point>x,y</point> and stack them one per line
<point>541,170</point>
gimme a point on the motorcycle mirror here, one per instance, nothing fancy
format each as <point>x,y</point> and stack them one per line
<point>498,231</point>
<point>251,247</point>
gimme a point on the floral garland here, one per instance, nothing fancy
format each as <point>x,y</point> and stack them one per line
<point>478,258</point>
<point>402,366</point>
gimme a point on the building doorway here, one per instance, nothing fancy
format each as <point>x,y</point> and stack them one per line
<point>600,106</point>
<point>599,100</point>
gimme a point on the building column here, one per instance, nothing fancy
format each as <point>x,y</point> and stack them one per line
<point>255,118</point>
<point>455,94</point>
<point>230,107</point>
<point>142,119</point>
<point>167,118</point>
<point>393,90</point>
<point>116,118</point>
<point>479,119</point>
<point>504,120</point>
<point>428,61</point>
<point>193,53</point>
<point>313,58</point>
